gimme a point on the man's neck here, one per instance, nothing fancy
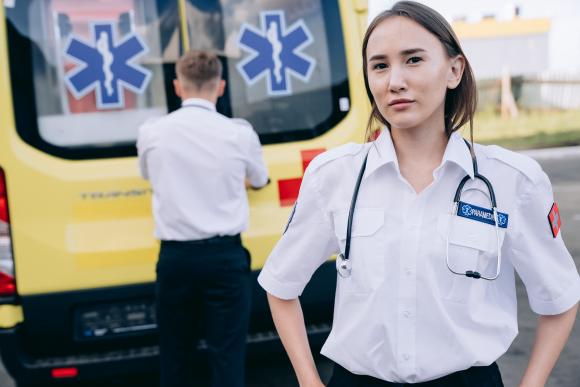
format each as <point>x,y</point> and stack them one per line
<point>209,98</point>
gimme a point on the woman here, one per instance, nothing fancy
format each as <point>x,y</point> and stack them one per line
<point>426,288</point>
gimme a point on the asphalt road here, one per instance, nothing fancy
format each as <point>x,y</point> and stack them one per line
<point>564,171</point>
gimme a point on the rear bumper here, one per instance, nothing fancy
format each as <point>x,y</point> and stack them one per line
<point>25,363</point>
<point>91,366</point>
<point>126,362</point>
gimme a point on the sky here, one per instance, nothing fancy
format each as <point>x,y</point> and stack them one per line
<point>564,38</point>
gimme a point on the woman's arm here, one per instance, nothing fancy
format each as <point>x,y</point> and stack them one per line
<point>551,336</point>
<point>289,321</point>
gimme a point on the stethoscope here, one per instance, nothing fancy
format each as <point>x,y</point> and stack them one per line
<point>344,265</point>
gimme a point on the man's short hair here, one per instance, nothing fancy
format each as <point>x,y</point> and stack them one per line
<point>198,69</point>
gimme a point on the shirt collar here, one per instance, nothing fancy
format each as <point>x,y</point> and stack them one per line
<point>198,102</point>
<point>457,152</point>
<point>382,152</point>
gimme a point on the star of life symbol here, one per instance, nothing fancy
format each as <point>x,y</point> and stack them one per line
<point>466,209</point>
<point>106,66</point>
<point>275,52</point>
<point>501,219</point>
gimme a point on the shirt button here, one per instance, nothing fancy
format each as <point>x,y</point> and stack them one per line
<point>408,271</point>
<point>406,356</point>
<point>407,314</point>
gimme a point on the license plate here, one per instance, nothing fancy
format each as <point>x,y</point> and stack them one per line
<point>119,319</point>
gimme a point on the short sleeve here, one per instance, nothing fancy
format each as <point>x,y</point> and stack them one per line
<point>256,170</point>
<point>542,261</point>
<point>143,148</point>
<point>305,245</point>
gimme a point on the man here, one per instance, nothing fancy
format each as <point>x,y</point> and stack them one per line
<point>199,163</point>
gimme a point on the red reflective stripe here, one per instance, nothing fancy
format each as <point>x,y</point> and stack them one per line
<point>308,155</point>
<point>61,373</point>
<point>288,188</point>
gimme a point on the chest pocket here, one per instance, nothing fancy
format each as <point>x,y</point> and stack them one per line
<point>473,246</point>
<point>367,248</point>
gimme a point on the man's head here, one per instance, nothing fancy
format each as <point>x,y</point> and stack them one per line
<point>199,75</point>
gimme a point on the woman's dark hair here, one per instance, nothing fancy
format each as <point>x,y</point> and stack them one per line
<point>460,103</point>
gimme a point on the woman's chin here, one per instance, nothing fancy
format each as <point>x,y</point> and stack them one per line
<point>403,125</point>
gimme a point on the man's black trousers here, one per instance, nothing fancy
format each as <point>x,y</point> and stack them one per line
<point>203,291</point>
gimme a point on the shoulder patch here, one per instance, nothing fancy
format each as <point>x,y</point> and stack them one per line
<point>334,153</point>
<point>524,164</point>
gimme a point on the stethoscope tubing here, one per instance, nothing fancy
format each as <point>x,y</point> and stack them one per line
<point>343,260</point>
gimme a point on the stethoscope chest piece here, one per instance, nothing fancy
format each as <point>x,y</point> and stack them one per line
<point>343,266</point>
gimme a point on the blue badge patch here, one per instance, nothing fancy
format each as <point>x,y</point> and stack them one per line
<point>481,214</point>
<point>275,52</point>
<point>105,66</point>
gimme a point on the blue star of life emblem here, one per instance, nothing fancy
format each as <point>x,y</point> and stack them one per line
<point>106,66</point>
<point>275,52</point>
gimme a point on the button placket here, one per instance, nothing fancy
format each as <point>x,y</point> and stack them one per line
<point>407,289</point>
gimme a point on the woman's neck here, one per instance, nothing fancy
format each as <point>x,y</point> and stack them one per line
<point>419,152</point>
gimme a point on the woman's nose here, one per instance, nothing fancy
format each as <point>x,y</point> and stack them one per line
<point>397,81</point>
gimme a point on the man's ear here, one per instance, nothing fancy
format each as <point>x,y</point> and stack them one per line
<point>221,88</point>
<point>177,87</point>
<point>455,71</point>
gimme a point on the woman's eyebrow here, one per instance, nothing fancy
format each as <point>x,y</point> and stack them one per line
<point>406,52</point>
<point>411,51</point>
<point>378,57</point>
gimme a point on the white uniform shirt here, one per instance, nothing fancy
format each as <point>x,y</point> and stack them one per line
<point>402,316</point>
<point>197,161</point>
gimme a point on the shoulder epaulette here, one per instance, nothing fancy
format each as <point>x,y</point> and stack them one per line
<point>333,154</point>
<point>524,164</point>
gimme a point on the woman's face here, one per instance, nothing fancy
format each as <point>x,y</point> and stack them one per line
<point>409,73</point>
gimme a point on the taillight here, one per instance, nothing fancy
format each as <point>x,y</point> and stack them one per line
<point>7,281</point>
<point>64,373</point>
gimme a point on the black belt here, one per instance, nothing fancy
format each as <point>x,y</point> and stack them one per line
<point>220,239</point>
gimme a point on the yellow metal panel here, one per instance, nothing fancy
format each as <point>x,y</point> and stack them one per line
<point>491,28</point>
<point>10,315</point>
<point>183,21</point>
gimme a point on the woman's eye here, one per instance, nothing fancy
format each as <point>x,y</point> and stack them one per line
<point>379,66</point>
<point>414,59</point>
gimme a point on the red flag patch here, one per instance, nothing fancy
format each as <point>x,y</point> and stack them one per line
<point>554,220</point>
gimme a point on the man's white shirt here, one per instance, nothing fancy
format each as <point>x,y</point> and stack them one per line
<point>197,161</point>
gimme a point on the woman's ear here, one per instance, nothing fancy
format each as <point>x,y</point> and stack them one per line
<point>455,71</point>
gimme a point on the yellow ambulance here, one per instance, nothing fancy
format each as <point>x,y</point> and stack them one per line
<point>77,78</point>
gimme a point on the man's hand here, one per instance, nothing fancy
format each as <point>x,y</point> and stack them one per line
<point>249,185</point>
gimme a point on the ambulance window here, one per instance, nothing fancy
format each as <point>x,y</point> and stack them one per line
<point>85,74</point>
<point>284,62</point>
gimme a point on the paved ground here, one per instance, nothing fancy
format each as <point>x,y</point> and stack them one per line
<point>565,174</point>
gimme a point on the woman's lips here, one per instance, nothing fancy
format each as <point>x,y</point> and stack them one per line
<point>400,105</point>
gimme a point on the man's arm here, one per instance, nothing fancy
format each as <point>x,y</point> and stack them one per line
<point>142,150</point>
<point>551,336</point>
<point>256,170</point>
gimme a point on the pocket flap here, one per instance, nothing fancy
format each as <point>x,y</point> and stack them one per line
<point>469,233</point>
<point>366,221</point>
